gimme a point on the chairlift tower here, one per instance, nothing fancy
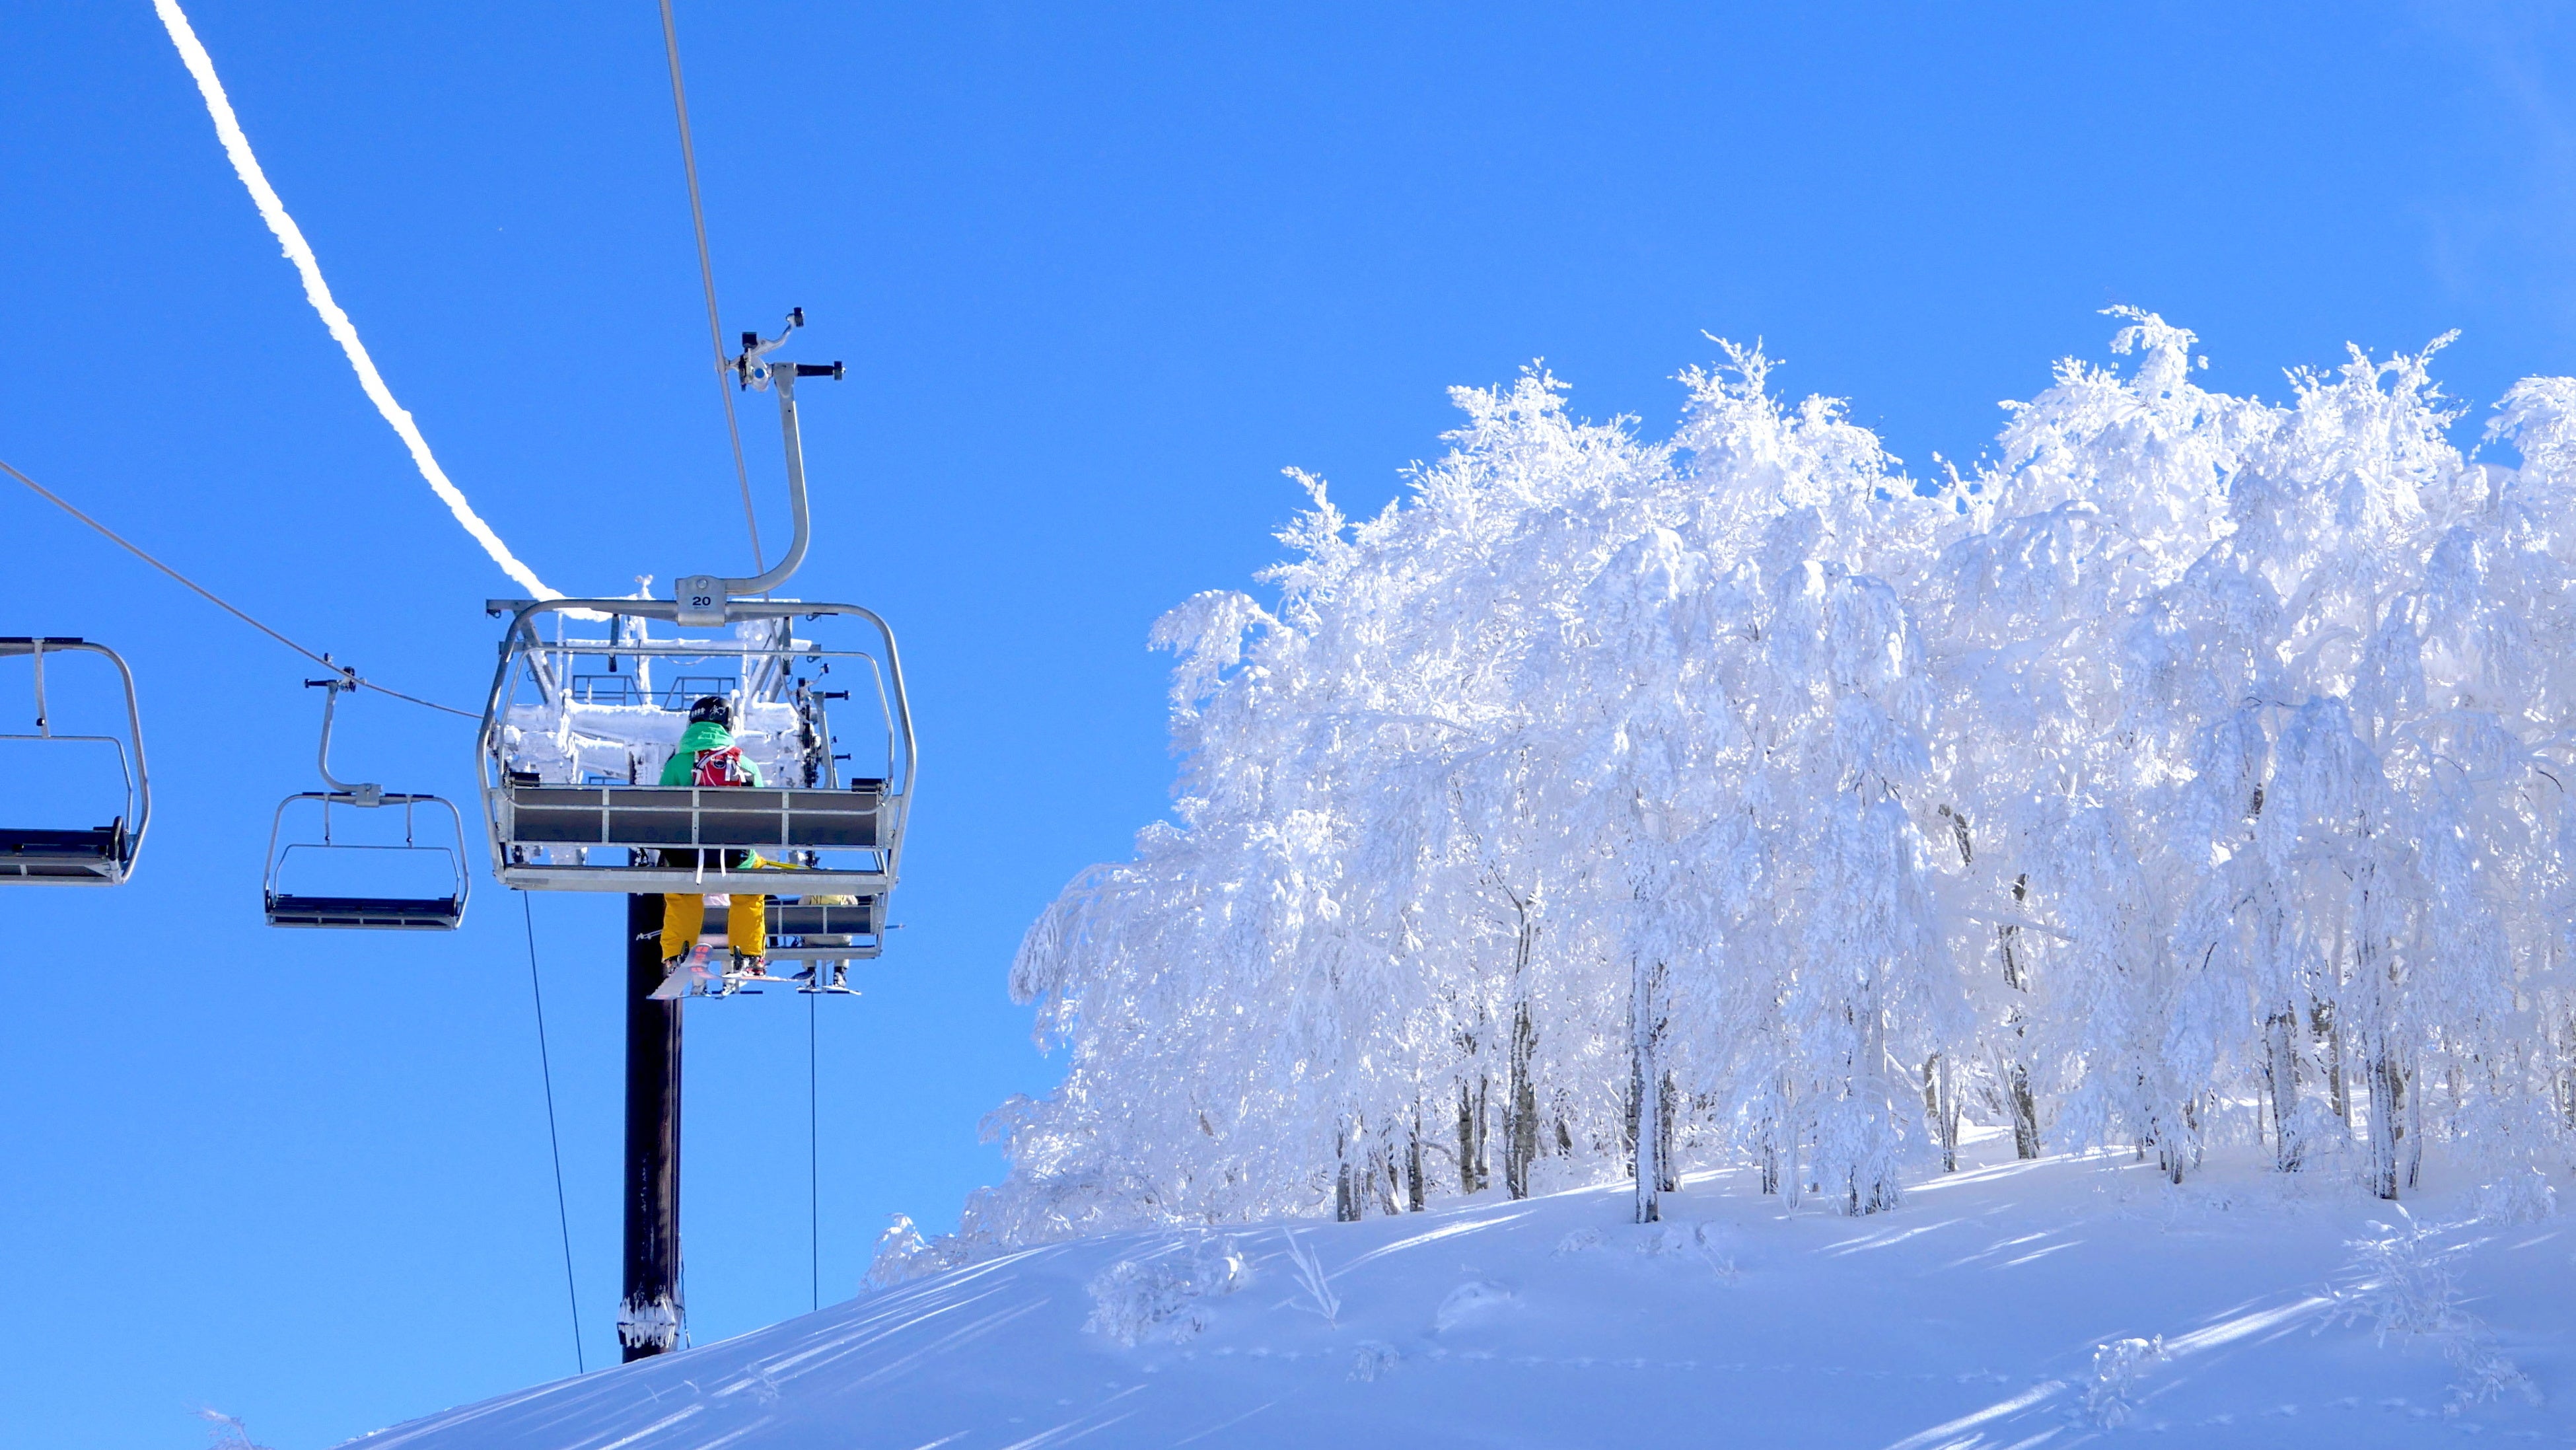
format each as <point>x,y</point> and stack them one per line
<point>564,757</point>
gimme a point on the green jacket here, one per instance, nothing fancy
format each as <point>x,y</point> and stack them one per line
<point>682,767</point>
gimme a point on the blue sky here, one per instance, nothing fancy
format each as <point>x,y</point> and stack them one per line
<point>1099,276</point>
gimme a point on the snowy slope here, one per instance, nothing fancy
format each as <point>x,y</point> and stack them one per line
<point>1970,1316</point>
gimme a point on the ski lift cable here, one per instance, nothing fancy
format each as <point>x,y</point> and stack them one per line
<point>707,275</point>
<point>545,1064</point>
<point>290,240</point>
<point>813,1149</point>
<point>324,660</point>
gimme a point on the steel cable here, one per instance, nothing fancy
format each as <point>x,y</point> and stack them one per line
<point>707,275</point>
<point>325,661</point>
<point>545,1064</point>
<point>813,1144</point>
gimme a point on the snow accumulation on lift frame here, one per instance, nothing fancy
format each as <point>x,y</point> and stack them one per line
<point>2175,807</point>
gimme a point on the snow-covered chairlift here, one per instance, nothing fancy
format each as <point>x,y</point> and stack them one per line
<point>91,856</point>
<point>577,728</point>
<point>563,777</point>
<point>435,910</point>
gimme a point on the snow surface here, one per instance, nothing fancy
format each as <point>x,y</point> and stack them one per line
<point>1976,1315</point>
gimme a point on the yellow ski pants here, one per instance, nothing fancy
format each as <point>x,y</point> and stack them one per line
<point>685,917</point>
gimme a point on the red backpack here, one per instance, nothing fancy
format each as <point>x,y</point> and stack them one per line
<point>722,767</point>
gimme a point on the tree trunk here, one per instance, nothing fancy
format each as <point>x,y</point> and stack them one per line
<point>2321,1021</point>
<point>1647,1138</point>
<point>2025,1108</point>
<point>1520,1113</point>
<point>2281,1076</point>
<point>1346,1179</point>
<point>2008,1059</point>
<point>1941,1106</point>
<point>1880,1191</point>
<point>1474,1175</point>
<point>2387,1101</point>
<point>2414,1131</point>
<point>2179,1151</point>
<point>1520,1109</point>
<point>2567,1075</point>
<point>1671,1179</point>
<point>1779,1147</point>
<point>1413,1187</point>
<point>2016,1071</point>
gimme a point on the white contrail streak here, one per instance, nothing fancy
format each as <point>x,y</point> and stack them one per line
<point>290,240</point>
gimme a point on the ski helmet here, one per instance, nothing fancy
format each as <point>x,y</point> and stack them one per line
<point>711,709</point>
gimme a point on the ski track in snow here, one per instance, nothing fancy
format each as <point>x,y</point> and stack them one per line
<point>1967,1321</point>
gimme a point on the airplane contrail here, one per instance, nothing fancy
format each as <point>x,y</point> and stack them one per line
<point>290,239</point>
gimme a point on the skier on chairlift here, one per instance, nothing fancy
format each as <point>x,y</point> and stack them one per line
<point>707,756</point>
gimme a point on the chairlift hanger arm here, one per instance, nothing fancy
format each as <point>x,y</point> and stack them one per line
<point>701,597</point>
<point>366,793</point>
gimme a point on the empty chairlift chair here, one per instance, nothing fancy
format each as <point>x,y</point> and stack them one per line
<point>432,878</point>
<point>78,855</point>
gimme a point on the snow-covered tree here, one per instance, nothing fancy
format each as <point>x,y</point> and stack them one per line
<point>2189,773</point>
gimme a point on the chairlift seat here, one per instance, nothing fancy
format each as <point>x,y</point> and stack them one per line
<point>814,931</point>
<point>440,913</point>
<point>100,854</point>
<point>741,817</point>
<point>797,918</point>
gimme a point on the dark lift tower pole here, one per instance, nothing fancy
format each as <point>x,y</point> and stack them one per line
<point>648,1318</point>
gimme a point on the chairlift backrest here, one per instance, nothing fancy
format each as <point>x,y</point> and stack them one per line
<point>92,856</point>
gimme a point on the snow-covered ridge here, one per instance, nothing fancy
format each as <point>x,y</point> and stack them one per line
<point>2012,1303</point>
<point>2192,776</point>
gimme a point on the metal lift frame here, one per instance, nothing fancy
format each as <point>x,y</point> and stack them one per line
<point>867,815</point>
<point>365,913</point>
<point>798,823</point>
<point>102,855</point>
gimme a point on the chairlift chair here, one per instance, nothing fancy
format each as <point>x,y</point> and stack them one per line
<point>564,777</point>
<point>824,933</point>
<point>98,855</point>
<point>575,732</point>
<point>370,913</point>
